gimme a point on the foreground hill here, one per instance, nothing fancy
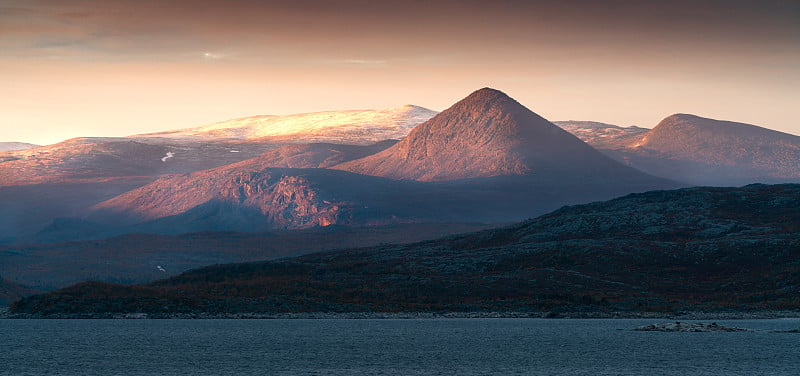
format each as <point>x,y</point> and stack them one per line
<point>351,127</point>
<point>687,249</point>
<point>698,150</point>
<point>487,134</point>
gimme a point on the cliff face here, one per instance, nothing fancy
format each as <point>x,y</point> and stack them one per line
<point>285,201</point>
<point>279,198</point>
<point>485,134</point>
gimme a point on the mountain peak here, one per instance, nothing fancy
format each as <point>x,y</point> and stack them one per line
<point>487,94</point>
<point>485,134</point>
<point>487,99</point>
<point>686,122</point>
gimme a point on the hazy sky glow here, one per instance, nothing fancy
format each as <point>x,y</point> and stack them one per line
<point>107,68</point>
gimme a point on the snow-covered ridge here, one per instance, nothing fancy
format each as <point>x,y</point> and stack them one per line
<point>353,126</point>
<point>11,146</point>
<point>602,135</point>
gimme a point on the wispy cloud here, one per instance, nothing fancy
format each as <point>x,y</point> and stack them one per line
<point>362,63</point>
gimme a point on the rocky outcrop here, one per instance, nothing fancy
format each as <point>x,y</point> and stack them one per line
<point>788,331</point>
<point>684,327</point>
<point>281,198</point>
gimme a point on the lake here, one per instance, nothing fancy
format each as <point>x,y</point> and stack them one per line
<point>392,347</point>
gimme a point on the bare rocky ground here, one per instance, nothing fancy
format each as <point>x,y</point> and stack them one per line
<point>691,327</point>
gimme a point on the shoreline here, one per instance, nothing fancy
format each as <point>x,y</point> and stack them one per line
<point>741,315</point>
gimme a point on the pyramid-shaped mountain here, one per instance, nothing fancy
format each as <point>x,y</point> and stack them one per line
<point>486,134</point>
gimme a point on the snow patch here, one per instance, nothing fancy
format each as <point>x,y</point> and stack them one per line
<point>168,156</point>
<point>356,126</point>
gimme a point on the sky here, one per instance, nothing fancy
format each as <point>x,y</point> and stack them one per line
<point>71,68</point>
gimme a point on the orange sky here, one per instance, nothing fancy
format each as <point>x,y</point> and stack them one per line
<point>86,68</point>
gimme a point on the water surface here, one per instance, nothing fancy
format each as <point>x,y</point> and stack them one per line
<point>391,347</point>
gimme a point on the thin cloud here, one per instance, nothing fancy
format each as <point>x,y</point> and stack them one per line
<point>362,62</point>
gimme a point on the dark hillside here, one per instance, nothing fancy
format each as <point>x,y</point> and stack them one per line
<point>690,249</point>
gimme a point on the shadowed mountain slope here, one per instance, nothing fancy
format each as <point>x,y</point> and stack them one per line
<point>486,134</point>
<point>273,198</point>
<point>10,292</point>
<point>689,249</point>
<point>143,258</point>
<point>316,155</point>
<point>40,184</point>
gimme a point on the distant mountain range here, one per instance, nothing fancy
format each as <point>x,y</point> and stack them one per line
<point>351,127</point>
<point>9,146</point>
<point>603,136</point>
<point>701,249</point>
<point>698,150</point>
<point>495,160</point>
<point>233,175</point>
<point>40,184</point>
